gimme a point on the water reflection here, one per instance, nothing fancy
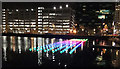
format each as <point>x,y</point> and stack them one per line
<point>97,56</point>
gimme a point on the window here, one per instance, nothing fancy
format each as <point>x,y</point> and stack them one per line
<point>51,13</point>
<point>39,16</point>
<point>66,20</point>
<point>16,9</point>
<point>66,23</point>
<point>39,19</point>
<point>39,25</point>
<point>84,9</point>
<point>39,10</point>
<point>40,7</point>
<point>27,25</point>
<point>32,9</point>
<point>3,17</point>
<point>58,26</point>
<point>45,22</point>
<point>3,20</point>
<point>65,26</point>
<point>3,9</point>
<point>3,14</point>
<point>26,9</point>
<point>45,16</point>
<point>33,22</point>
<point>39,13</point>
<point>84,5</point>
<point>39,22</point>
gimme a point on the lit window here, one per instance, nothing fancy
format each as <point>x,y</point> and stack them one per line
<point>40,25</point>
<point>51,13</point>
<point>3,20</point>
<point>84,5</point>
<point>4,25</point>
<point>27,25</point>
<point>39,10</point>
<point>39,16</point>
<point>58,26</point>
<point>45,22</point>
<point>50,26</point>
<point>16,9</point>
<point>33,22</point>
<point>3,9</point>
<point>21,25</point>
<point>66,20</point>
<point>10,25</point>
<point>67,5</point>
<point>50,23</point>
<point>39,19</point>
<point>3,14</point>
<point>45,25</point>
<point>32,9</point>
<point>39,22</point>
<point>66,23</point>
<point>39,13</point>
<point>65,26</point>
<point>33,25</point>
<point>45,31</point>
<point>60,7</point>
<point>16,20</point>
<point>26,9</point>
<point>84,9</point>
<point>3,17</point>
<point>40,7</point>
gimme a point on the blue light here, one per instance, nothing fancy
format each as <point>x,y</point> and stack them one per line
<point>53,51</point>
<point>37,49</point>
<point>75,48</point>
<point>45,51</point>
<point>30,49</point>
<point>61,52</point>
<point>69,47</point>
<point>34,48</point>
<point>54,44</point>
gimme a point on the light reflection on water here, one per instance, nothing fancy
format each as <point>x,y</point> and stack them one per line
<point>19,45</point>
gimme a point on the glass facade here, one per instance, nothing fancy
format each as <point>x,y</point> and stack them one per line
<point>38,20</point>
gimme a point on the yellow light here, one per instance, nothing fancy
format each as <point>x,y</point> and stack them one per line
<point>74,31</point>
<point>70,30</point>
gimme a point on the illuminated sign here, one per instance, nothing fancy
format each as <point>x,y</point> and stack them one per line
<point>103,11</point>
<point>101,16</point>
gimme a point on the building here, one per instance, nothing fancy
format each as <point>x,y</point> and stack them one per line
<point>116,25</point>
<point>37,19</point>
<point>94,15</point>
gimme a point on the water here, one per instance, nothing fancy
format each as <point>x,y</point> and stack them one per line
<point>22,52</point>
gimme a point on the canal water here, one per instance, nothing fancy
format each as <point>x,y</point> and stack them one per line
<point>34,52</point>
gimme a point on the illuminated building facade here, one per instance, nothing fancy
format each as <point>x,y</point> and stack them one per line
<point>93,15</point>
<point>37,19</point>
<point>117,19</point>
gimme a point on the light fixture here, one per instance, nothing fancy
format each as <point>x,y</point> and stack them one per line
<point>66,5</point>
<point>60,7</point>
<point>54,8</point>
